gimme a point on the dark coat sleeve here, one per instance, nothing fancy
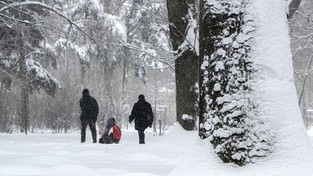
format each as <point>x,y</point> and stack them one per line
<point>81,103</point>
<point>84,109</point>
<point>150,112</point>
<point>133,113</point>
<point>95,107</point>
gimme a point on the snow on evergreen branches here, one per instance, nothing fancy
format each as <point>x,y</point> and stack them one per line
<point>133,30</point>
<point>37,77</point>
<point>21,48</point>
<point>231,119</point>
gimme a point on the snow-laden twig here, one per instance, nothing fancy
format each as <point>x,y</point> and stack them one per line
<point>297,73</point>
<point>19,81</point>
<point>304,81</point>
<point>52,9</point>
<point>141,50</point>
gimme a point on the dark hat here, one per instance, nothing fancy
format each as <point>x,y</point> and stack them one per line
<point>111,122</point>
<point>141,97</point>
<point>85,92</point>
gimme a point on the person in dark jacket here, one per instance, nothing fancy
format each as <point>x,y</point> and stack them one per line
<point>143,115</point>
<point>111,134</point>
<point>90,110</point>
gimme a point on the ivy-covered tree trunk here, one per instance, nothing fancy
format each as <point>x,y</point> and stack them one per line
<point>228,113</point>
<point>180,14</point>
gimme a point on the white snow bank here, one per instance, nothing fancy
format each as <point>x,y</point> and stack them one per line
<point>64,155</point>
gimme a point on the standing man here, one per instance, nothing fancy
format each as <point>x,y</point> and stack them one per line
<point>143,115</point>
<point>90,110</point>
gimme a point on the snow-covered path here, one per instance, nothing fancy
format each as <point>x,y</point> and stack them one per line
<point>63,154</point>
<point>179,153</point>
<point>310,134</point>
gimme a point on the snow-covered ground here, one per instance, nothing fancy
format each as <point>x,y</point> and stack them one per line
<point>63,154</point>
<point>178,153</point>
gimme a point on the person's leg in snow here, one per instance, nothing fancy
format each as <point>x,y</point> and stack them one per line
<point>106,140</point>
<point>83,131</point>
<point>141,133</point>
<point>92,126</point>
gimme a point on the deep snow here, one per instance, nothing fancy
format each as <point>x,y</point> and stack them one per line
<point>63,154</point>
<point>178,153</point>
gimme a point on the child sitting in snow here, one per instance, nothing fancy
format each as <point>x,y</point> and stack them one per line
<point>111,133</point>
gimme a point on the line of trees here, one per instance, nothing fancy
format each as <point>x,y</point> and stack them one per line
<point>100,45</point>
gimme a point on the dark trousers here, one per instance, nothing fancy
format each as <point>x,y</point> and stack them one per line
<point>92,126</point>
<point>108,140</point>
<point>141,134</point>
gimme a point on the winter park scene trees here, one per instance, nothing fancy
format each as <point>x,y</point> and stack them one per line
<point>229,83</point>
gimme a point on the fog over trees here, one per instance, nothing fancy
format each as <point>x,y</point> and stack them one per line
<point>116,49</point>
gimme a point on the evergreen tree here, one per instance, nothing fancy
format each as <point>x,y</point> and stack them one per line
<point>21,36</point>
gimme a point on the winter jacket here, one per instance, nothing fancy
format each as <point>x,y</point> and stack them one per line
<point>89,107</point>
<point>111,133</point>
<point>116,132</point>
<point>142,113</point>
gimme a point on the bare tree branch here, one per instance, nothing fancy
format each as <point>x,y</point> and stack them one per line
<point>304,81</point>
<point>293,6</point>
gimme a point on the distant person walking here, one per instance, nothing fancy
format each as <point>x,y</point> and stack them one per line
<point>143,115</point>
<point>90,110</point>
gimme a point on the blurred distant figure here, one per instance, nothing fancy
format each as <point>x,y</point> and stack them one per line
<point>143,115</point>
<point>90,110</point>
<point>111,133</point>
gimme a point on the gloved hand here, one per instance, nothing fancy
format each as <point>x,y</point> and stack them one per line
<point>130,121</point>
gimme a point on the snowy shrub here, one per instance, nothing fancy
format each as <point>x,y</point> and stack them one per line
<point>231,116</point>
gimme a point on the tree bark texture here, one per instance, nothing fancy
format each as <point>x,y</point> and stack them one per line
<point>226,75</point>
<point>186,63</point>
<point>24,88</point>
<point>293,6</point>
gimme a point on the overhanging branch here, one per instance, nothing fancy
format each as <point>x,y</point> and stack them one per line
<point>52,9</point>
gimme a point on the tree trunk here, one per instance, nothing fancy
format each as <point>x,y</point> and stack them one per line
<point>227,110</point>
<point>186,63</point>
<point>293,6</point>
<point>24,91</point>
